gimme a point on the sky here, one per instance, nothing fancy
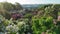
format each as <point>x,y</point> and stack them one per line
<point>33,1</point>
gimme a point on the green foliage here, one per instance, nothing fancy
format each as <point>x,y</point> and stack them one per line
<point>9,27</point>
<point>9,6</point>
<point>6,7</point>
<point>42,24</point>
<point>39,25</point>
<point>28,15</point>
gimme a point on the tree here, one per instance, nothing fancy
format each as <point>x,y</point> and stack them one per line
<point>18,6</point>
<point>6,7</point>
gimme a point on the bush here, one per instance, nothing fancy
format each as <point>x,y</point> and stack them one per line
<point>42,25</point>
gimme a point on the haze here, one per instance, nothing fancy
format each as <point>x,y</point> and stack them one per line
<point>33,1</point>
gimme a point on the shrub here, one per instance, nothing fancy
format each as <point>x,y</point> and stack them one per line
<point>42,25</point>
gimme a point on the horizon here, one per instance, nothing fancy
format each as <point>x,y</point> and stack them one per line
<point>32,1</point>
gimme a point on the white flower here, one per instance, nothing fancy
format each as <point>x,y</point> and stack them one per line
<point>13,28</point>
<point>21,23</point>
